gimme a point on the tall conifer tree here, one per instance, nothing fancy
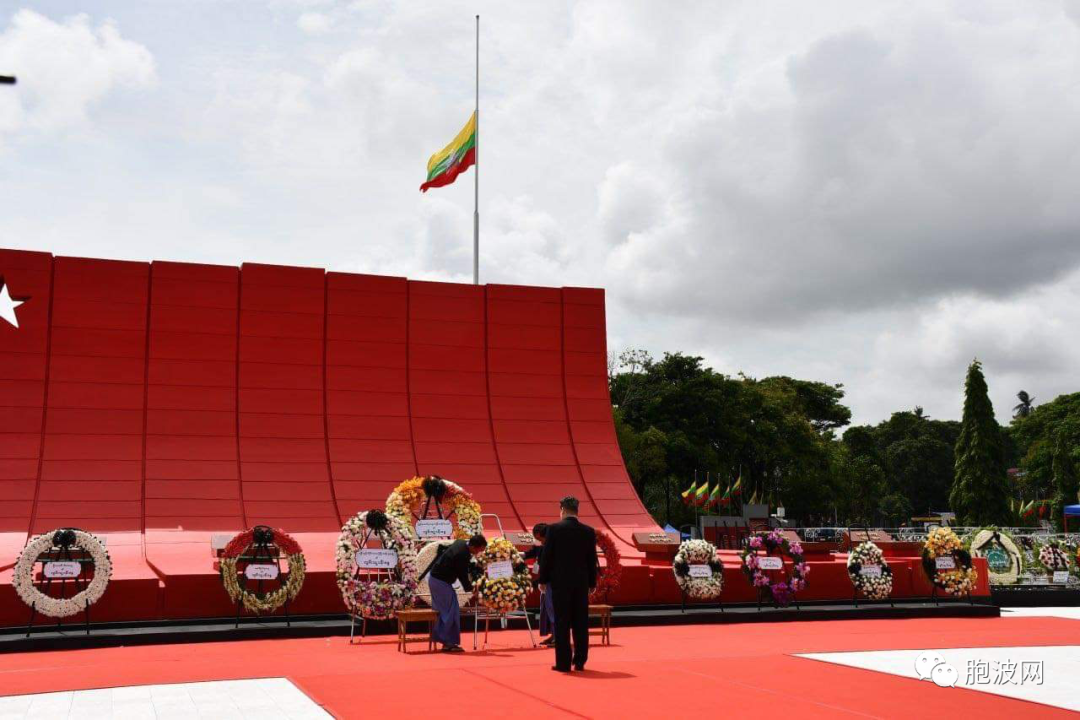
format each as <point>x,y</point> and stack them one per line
<point>980,491</point>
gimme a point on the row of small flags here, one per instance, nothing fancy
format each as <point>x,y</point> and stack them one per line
<point>703,497</point>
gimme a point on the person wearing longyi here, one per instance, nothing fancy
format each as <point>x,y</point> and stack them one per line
<point>452,564</point>
<point>570,565</point>
<point>547,610</point>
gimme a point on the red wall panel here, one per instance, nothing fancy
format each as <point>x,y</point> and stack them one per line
<point>367,397</point>
<point>192,476</point>
<point>282,425</point>
<point>23,370</point>
<point>451,415</point>
<point>99,352</point>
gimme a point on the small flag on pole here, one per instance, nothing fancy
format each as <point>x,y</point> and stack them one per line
<point>714,496</point>
<point>689,494</point>
<point>454,159</point>
<point>702,495</point>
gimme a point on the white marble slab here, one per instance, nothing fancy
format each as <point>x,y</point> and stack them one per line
<point>219,699</point>
<point>1061,668</point>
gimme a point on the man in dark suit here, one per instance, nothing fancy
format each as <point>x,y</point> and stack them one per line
<point>569,564</point>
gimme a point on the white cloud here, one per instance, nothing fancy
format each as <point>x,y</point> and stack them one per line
<point>64,69</point>
<point>314,23</point>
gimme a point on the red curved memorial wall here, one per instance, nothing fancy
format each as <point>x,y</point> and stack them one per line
<point>161,403</point>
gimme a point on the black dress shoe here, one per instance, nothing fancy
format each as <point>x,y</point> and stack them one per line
<point>579,668</point>
<point>556,668</point>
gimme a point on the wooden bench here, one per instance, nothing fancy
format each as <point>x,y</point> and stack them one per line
<point>604,631</point>
<point>404,617</point>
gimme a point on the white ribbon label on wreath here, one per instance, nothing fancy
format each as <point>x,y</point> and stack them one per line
<point>62,569</point>
<point>944,563</point>
<point>261,572</point>
<point>1061,577</point>
<point>376,559</point>
<point>870,571</point>
<point>770,562</point>
<point>700,571</point>
<point>434,529</point>
<point>501,569</point>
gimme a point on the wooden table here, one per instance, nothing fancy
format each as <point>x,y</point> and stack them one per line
<point>404,617</point>
<point>604,631</point>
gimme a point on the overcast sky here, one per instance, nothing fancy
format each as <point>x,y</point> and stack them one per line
<point>870,193</point>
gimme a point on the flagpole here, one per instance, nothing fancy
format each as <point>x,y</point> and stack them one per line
<point>476,169</point>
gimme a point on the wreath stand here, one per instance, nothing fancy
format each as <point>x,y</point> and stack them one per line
<point>934,593</point>
<point>262,552</point>
<point>368,574</point>
<point>719,601</point>
<point>854,589</point>
<point>761,590</point>
<point>480,613</point>
<point>62,553</point>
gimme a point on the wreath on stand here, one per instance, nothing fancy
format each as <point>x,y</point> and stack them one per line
<point>424,559</point>
<point>502,594</point>
<point>1052,558</point>
<point>412,499</point>
<point>689,565</point>
<point>64,539</point>
<point>380,598</point>
<point>782,592</point>
<point>1004,560</point>
<point>877,586</point>
<point>238,549</point>
<point>611,572</point>
<point>943,543</point>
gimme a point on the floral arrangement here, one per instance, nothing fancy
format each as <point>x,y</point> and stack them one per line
<point>1004,560</point>
<point>69,538</point>
<point>874,587</point>
<point>943,542</point>
<point>698,552</point>
<point>1052,558</point>
<point>412,497</point>
<point>377,598</point>
<point>782,592</point>
<point>234,553</point>
<point>611,572</point>
<point>502,595</point>
<point>424,558</point>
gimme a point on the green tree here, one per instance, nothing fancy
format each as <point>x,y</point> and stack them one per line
<point>1023,408</point>
<point>1036,437</point>
<point>980,491</point>
<point>1065,479</point>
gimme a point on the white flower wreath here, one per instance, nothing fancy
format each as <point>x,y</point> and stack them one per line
<point>866,555</point>
<point>696,554</point>
<point>424,558</point>
<point>23,577</point>
<point>377,599</point>
<point>1005,563</point>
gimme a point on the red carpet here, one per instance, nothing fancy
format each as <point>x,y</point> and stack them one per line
<point>687,671</point>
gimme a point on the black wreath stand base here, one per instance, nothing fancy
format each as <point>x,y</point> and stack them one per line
<point>63,540</point>
<point>706,605</point>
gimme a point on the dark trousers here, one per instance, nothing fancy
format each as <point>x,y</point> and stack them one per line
<point>571,616</point>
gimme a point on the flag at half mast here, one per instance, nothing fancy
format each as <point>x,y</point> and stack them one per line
<point>454,159</point>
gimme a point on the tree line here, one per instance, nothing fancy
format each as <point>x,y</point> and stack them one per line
<point>791,443</point>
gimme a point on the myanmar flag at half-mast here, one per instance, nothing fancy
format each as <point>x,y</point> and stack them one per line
<point>714,496</point>
<point>701,495</point>
<point>688,494</point>
<point>454,159</point>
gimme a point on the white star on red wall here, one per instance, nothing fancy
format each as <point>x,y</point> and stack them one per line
<point>8,305</point>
